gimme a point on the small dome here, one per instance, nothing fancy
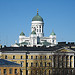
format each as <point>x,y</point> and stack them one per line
<point>33,32</point>
<point>37,18</point>
<point>22,34</point>
<point>52,33</point>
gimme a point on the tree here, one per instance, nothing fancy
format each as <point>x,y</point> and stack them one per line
<point>42,65</point>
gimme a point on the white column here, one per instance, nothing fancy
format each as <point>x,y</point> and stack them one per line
<point>52,61</point>
<point>72,61</point>
<point>68,61</point>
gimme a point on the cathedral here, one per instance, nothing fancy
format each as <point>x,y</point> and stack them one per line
<point>36,37</point>
<point>39,55</point>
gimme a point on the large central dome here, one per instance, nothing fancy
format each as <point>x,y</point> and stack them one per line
<point>37,18</point>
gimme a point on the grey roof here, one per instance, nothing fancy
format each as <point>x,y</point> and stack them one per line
<point>40,48</point>
<point>24,43</point>
<point>43,48</point>
<point>46,43</point>
<point>5,63</point>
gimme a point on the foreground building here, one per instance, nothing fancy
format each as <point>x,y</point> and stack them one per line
<point>57,60</point>
<point>36,37</point>
<point>9,68</point>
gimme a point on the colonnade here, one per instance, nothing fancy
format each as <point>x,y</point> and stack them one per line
<point>63,61</point>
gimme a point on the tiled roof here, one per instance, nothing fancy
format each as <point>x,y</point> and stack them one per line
<point>5,63</point>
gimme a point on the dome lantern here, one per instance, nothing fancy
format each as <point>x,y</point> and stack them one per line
<point>37,17</point>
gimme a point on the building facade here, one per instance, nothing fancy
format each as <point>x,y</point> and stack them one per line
<point>36,37</point>
<point>56,60</point>
<point>9,68</point>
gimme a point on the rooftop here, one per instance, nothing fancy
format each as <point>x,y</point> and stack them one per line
<point>5,63</point>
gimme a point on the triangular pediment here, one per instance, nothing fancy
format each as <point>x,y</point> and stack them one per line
<point>64,50</point>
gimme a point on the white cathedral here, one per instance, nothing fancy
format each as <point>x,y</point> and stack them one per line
<point>36,37</point>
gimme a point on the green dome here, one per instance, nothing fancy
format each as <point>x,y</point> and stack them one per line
<point>22,34</point>
<point>37,18</point>
<point>53,33</point>
<point>33,32</point>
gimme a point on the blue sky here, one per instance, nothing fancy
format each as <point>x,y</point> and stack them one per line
<point>16,16</point>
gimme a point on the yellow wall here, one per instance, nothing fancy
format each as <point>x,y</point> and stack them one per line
<point>29,60</point>
<point>7,70</point>
<point>34,60</point>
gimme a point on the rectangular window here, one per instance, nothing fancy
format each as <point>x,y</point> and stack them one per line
<point>26,72</point>
<point>45,57</point>
<point>45,72</point>
<point>49,65</point>
<point>49,57</point>
<point>45,64</point>
<point>31,73</point>
<point>36,64</point>
<point>26,56</point>
<point>31,64</point>
<point>22,63</point>
<point>41,64</point>
<point>49,72</point>
<point>10,71</point>
<point>40,30</point>
<point>4,71</point>
<point>37,30</point>
<point>15,71</point>
<point>26,64</point>
<point>21,57</point>
<point>36,57</point>
<point>31,57</point>
<point>39,26</point>
<point>40,57</point>
<point>0,71</point>
<point>5,56</point>
<point>14,57</point>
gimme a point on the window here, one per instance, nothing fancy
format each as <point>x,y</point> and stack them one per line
<point>39,26</point>
<point>26,64</point>
<point>36,72</point>
<point>4,71</point>
<point>5,56</point>
<point>0,71</point>
<point>14,57</point>
<point>49,72</point>
<point>31,64</point>
<point>22,63</point>
<point>36,64</point>
<point>45,57</point>
<point>49,64</point>
<point>21,57</point>
<point>41,64</point>
<point>31,57</point>
<point>40,72</point>
<point>10,71</point>
<point>53,41</point>
<point>45,72</point>
<point>45,64</point>
<point>26,56</point>
<point>40,30</point>
<point>36,57</point>
<point>26,72</point>
<point>40,57</point>
<point>31,73</point>
<point>37,30</point>
<point>15,71</point>
<point>49,57</point>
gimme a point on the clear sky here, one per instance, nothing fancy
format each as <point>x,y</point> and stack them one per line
<point>16,16</point>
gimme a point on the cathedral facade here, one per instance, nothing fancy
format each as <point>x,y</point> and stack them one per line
<point>36,37</point>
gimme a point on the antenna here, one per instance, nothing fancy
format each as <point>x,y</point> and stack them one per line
<point>37,11</point>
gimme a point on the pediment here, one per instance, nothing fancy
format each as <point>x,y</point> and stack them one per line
<point>64,50</point>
